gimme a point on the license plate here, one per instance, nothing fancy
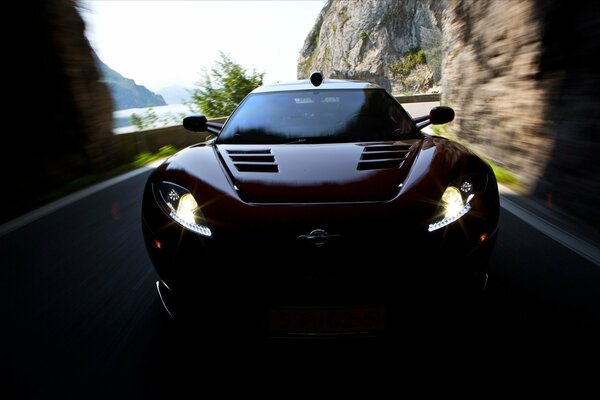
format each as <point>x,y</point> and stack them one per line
<point>326,320</point>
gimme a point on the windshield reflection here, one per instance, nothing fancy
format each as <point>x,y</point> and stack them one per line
<point>318,116</point>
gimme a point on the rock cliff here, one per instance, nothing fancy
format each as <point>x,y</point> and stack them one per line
<point>524,79</point>
<point>491,67</point>
<point>66,115</point>
<point>395,43</point>
<point>521,76</point>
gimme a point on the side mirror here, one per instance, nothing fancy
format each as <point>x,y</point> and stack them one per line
<point>195,123</point>
<point>437,115</point>
<point>441,115</point>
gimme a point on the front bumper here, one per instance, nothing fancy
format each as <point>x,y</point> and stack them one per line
<point>233,287</point>
<point>179,255</point>
<point>378,258</point>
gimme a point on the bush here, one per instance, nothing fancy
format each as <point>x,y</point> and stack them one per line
<point>145,121</point>
<point>407,63</point>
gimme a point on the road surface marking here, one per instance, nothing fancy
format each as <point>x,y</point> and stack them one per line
<point>41,212</point>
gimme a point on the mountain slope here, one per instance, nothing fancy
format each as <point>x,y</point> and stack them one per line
<point>524,94</point>
<point>175,94</point>
<point>125,92</point>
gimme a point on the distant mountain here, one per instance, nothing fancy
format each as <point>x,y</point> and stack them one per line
<point>125,92</point>
<point>175,94</point>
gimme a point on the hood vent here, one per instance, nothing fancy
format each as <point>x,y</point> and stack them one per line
<point>253,160</point>
<point>382,157</point>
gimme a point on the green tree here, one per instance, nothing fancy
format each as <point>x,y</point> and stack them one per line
<point>221,90</point>
<point>148,120</point>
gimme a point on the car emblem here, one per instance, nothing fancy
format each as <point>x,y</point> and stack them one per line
<point>318,237</point>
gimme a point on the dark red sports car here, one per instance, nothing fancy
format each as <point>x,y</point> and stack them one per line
<point>319,209</point>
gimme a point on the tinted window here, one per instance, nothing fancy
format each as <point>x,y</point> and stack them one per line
<point>318,116</point>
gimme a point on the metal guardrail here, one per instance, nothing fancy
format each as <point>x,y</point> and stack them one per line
<point>419,98</point>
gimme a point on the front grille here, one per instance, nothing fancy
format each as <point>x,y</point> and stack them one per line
<point>253,160</point>
<point>382,157</point>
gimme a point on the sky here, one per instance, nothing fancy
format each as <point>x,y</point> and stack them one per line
<point>165,43</point>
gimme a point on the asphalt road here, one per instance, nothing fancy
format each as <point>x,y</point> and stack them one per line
<point>81,319</point>
<point>419,109</point>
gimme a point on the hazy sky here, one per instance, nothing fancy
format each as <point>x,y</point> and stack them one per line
<point>164,43</point>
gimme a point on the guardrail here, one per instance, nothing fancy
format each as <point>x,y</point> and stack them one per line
<point>419,98</point>
<point>128,145</point>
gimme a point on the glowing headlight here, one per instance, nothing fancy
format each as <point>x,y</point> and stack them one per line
<point>454,204</point>
<point>179,204</point>
<point>187,208</point>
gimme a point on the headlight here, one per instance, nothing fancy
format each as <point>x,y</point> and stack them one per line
<point>455,201</point>
<point>179,204</point>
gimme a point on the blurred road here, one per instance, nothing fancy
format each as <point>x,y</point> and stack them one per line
<point>81,318</point>
<point>419,109</point>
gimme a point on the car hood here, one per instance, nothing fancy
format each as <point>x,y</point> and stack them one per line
<point>318,173</point>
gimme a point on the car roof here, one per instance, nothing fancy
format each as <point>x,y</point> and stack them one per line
<point>328,84</point>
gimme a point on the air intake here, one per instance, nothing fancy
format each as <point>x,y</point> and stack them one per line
<point>382,157</point>
<point>253,160</point>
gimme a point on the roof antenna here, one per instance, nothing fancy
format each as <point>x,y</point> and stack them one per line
<point>316,78</point>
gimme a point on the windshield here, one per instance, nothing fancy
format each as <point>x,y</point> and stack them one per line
<point>315,116</point>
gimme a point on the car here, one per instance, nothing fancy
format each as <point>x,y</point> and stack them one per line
<point>319,209</point>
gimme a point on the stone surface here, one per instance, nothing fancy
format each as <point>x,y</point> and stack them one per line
<point>522,77</point>
<point>491,80</point>
<point>364,39</point>
<point>65,114</point>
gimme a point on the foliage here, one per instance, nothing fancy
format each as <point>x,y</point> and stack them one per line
<point>144,158</point>
<point>166,151</point>
<point>412,72</point>
<point>439,130</point>
<point>342,13</point>
<point>144,121</point>
<point>503,175</point>
<point>171,118</point>
<point>327,57</point>
<point>150,119</point>
<point>364,35</point>
<point>431,40</point>
<point>407,62</point>
<point>344,20</point>
<point>309,60</point>
<point>224,87</point>
<point>139,161</point>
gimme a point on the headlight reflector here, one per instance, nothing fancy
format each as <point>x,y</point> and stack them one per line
<point>179,204</point>
<point>186,208</point>
<point>452,202</point>
<point>453,205</point>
